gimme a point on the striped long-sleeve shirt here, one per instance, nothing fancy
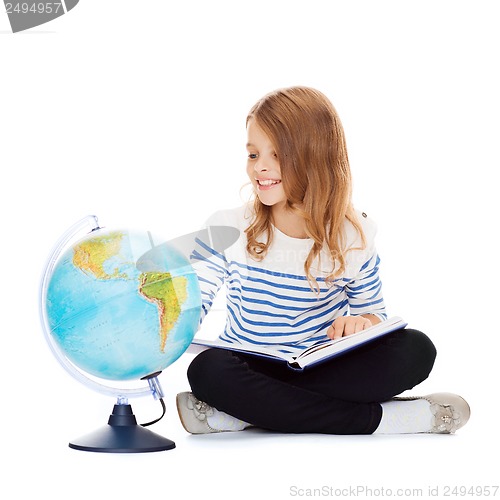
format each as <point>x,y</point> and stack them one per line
<point>271,302</point>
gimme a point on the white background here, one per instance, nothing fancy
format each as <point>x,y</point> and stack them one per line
<point>135,112</point>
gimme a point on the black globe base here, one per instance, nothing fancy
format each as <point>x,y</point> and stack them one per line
<point>122,435</point>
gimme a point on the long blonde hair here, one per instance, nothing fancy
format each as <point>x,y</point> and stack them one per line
<point>309,140</point>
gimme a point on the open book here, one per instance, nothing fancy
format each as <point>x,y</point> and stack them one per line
<point>312,355</point>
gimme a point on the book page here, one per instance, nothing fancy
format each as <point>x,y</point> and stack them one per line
<point>333,346</point>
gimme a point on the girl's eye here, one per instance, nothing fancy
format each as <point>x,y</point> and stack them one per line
<point>253,156</point>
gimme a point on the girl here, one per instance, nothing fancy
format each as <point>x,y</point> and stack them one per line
<point>305,269</point>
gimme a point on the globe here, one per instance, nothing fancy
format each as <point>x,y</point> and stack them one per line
<point>119,305</point>
<point>113,320</point>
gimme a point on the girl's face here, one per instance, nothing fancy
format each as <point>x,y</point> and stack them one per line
<point>263,167</point>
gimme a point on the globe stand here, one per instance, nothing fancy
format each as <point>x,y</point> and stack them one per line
<point>123,434</point>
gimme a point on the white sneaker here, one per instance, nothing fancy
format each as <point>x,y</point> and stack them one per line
<point>451,412</point>
<point>193,414</point>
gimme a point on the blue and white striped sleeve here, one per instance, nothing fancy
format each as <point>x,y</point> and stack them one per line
<point>211,269</point>
<point>364,292</point>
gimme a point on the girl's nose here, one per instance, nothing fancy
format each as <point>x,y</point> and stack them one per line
<point>261,165</point>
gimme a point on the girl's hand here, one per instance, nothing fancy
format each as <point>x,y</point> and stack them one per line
<point>347,325</point>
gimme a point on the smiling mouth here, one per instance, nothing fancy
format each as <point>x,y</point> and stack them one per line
<point>267,182</point>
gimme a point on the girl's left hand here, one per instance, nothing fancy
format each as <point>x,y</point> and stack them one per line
<point>347,325</point>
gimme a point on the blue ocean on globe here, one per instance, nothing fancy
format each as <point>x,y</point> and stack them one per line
<point>114,319</point>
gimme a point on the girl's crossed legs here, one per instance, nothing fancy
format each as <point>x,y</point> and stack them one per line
<point>340,396</point>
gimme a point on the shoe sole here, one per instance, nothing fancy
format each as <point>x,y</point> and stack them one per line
<point>178,405</point>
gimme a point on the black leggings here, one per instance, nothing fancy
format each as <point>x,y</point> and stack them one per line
<point>340,396</point>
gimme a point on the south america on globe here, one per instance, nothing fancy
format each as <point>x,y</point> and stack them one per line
<point>114,320</point>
